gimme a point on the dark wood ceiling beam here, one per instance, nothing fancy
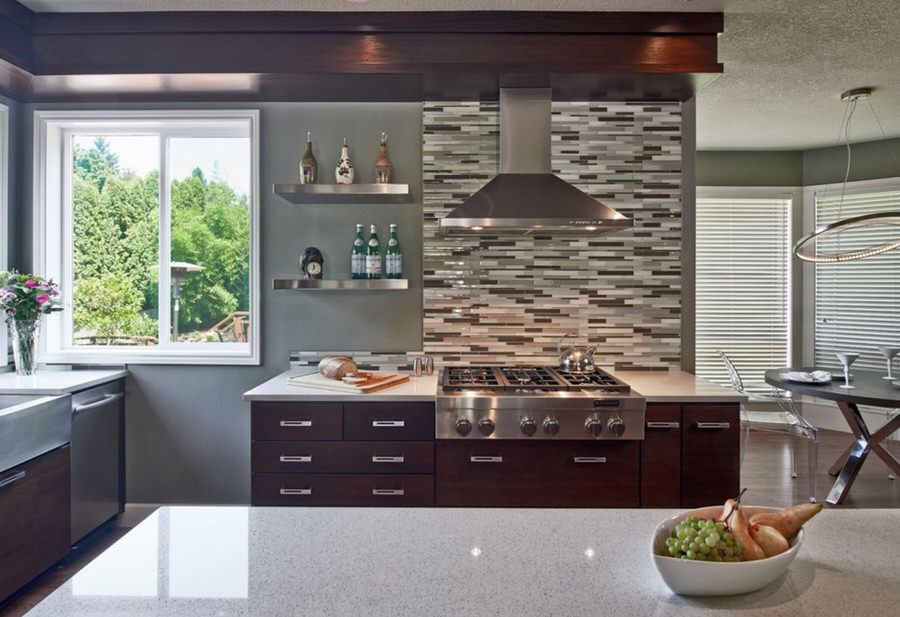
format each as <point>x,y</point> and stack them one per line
<point>557,22</point>
<point>16,26</point>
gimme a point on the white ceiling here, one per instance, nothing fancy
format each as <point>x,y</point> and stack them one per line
<point>786,61</point>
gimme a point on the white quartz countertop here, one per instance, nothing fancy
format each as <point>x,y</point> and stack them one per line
<point>398,562</point>
<point>277,389</point>
<point>676,387</point>
<point>56,381</point>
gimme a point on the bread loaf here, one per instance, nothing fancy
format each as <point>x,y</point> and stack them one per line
<point>336,367</point>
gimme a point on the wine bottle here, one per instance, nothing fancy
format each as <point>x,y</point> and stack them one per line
<point>393,259</point>
<point>373,255</point>
<point>383,163</point>
<point>343,173</point>
<point>358,255</point>
<point>308,165</point>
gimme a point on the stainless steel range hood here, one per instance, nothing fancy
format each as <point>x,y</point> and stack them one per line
<point>526,197</point>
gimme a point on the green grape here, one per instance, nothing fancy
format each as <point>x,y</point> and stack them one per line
<point>703,540</point>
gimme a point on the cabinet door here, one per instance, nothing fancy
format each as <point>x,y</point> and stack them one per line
<point>343,456</point>
<point>518,473</point>
<point>661,457</point>
<point>389,421</point>
<point>294,489</point>
<point>287,421</point>
<point>34,518</point>
<point>710,454</point>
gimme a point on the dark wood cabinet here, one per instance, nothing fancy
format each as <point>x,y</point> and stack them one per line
<point>661,456</point>
<point>34,518</point>
<point>710,453</point>
<point>289,421</point>
<point>388,421</point>
<point>342,454</point>
<point>544,474</point>
<point>343,490</point>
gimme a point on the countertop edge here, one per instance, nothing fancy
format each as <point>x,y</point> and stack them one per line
<point>92,378</point>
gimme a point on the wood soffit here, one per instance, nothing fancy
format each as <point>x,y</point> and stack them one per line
<point>352,56</point>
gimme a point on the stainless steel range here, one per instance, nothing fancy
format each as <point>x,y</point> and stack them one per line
<point>536,402</point>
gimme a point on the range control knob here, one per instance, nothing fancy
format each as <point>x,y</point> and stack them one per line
<point>616,426</point>
<point>551,426</point>
<point>593,426</point>
<point>528,426</point>
<point>486,426</point>
<point>463,426</point>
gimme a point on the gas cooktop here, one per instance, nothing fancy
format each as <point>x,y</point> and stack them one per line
<point>528,379</point>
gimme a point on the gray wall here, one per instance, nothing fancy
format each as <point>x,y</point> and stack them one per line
<point>188,431</point>
<point>749,168</point>
<point>13,195</point>
<point>869,160</point>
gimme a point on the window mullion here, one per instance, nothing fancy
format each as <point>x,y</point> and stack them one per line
<point>165,296</point>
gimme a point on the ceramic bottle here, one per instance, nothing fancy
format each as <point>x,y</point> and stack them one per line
<point>343,173</point>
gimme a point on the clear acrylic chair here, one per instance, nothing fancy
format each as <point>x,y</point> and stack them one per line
<point>776,415</point>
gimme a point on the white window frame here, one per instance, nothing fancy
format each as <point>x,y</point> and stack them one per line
<point>795,195</point>
<point>53,242</point>
<point>4,213</point>
<point>809,270</point>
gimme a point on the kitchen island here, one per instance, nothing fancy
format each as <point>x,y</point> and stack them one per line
<point>394,562</point>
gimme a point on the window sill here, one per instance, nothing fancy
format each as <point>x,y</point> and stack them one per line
<point>123,357</point>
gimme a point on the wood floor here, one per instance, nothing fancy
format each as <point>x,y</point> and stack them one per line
<point>765,474</point>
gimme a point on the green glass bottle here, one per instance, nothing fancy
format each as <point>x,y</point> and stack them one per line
<point>358,255</point>
<point>308,165</point>
<point>373,255</point>
<point>393,258</point>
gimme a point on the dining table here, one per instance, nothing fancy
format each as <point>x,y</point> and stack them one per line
<point>868,388</point>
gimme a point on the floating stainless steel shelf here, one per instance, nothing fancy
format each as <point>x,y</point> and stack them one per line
<point>340,284</point>
<point>312,193</point>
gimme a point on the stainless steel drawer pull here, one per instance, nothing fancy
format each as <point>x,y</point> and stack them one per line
<point>589,459</point>
<point>388,423</point>
<point>387,459</point>
<point>295,459</point>
<point>663,424</point>
<point>388,491</point>
<point>296,423</point>
<point>296,491</point>
<point>713,425</point>
<point>486,459</point>
<point>12,478</point>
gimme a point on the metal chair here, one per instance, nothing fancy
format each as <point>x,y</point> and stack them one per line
<point>779,417</point>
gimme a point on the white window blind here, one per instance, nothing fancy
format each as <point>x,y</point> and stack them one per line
<point>742,286</point>
<point>857,302</point>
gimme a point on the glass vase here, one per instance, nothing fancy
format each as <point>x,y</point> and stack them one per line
<point>24,337</point>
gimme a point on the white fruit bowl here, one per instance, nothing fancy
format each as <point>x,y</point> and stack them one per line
<point>712,578</point>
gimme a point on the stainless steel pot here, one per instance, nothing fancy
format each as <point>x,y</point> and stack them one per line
<point>575,359</point>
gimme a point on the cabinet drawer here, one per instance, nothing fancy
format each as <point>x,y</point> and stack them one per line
<point>287,421</point>
<point>34,510</point>
<point>661,457</point>
<point>342,490</point>
<point>710,454</point>
<point>343,457</point>
<point>389,421</point>
<point>515,473</point>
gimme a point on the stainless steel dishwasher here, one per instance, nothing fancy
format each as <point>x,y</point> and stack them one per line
<point>97,457</point>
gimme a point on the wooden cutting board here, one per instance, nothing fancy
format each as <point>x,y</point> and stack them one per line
<point>377,381</point>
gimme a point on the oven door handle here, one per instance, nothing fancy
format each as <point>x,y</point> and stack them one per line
<point>486,459</point>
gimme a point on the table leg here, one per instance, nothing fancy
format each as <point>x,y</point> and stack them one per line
<point>877,437</point>
<point>858,453</point>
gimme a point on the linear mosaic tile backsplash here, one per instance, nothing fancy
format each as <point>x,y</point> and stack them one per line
<point>505,299</point>
<point>509,298</point>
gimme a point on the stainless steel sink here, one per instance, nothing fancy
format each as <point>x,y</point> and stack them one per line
<point>31,425</point>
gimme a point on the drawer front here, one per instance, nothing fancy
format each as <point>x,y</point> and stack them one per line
<point>342,490</point>
<point>343,457</point>
<point>34,510</point>
<point>389,421</point>
<point>504,473</point>
<point>288,421</point>
<point>710,454</point>
<point>661,457</point>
